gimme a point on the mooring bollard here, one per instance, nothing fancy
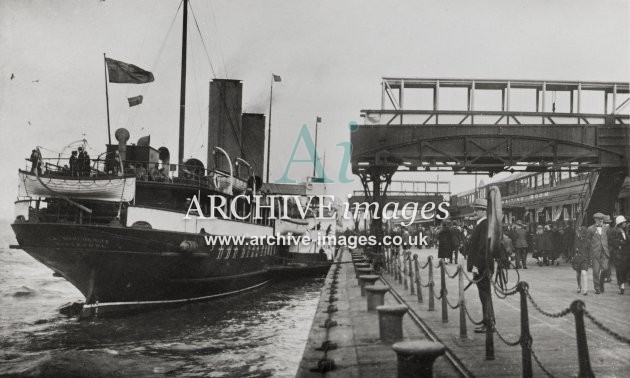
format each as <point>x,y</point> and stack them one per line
<point>418,281</point>
<point>367,279</point>
<point>390,322</point>
<point>577,308</point>
<point>416,358</point>
<point>463,333</point>
<point>526,337</point>
<point>375,296</point>
<point>443,291</point>
<point>412,291</point>
<point>362,272</point>
<point>431,285</point>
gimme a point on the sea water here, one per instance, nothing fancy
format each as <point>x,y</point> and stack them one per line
<point>257,334</point>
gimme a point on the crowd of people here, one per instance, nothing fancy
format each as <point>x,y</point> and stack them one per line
<point>601,247</point>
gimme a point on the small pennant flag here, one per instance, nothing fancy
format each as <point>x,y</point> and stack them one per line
<point>121,72</point>
<point>133,101</point>
<point>319,119</point>
<point>277,78</point>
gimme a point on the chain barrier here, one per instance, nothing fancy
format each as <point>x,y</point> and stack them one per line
<point>450,305</point>
<point>436,296</point>
<point>508,343</point>
<point>426,264</point>
<point>470,317</point>
<point>558,314</point>
<point>501,293</point>
<point>473,280</point>
<point>451,275</point>
<point>540,365</point>
<point>612,333</point>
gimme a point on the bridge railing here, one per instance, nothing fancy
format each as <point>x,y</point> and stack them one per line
<point>481,117</point>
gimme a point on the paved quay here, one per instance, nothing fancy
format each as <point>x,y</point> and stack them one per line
<point>360,353</point>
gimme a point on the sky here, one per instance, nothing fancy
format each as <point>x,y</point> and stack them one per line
<point>331,56</point>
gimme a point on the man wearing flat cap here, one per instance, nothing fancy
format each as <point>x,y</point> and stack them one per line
<point>597,247</point>
<point>477,263</point>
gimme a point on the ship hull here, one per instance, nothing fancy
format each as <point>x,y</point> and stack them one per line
<point>124,269</point>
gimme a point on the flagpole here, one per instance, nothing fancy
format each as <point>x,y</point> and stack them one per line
<point>109,132</point>
<point>315,154</point>
<point>269,129</point>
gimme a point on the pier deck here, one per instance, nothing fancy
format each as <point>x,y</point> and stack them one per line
<point>360,353</point>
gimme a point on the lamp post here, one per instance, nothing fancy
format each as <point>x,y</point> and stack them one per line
<point>273,79</point>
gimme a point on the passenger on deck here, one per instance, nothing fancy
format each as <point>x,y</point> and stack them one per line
<point>36,162</point>
<point>81,162</point>
<point>73,163</point>
<point>141,172</point>
<point>154,175</point>
<point>88,163</point>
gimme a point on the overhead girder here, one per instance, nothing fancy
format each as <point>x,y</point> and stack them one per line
<point>490,148</point>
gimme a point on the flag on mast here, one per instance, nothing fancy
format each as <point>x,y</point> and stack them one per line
<point>136,100</point>
<point>121,72</point>
<point>319,119</point>
<point>276,78</point>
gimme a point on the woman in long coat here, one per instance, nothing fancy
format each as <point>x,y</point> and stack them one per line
<point>581,261</point>
<point>445,242</point>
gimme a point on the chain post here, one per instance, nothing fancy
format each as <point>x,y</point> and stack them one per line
<point>577,308</point>
<point>401,262</point>
<point>404,269</point>
<point>463,332</point>
<point>526,337</point>
<point>412,290</point>
<point>443,291</point>
<point>431,285</point>
<point>418,281</point>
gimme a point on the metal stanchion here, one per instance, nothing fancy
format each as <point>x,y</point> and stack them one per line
<point>401,262</point>
<point>526,337</point>
<point>463,332</point>
<point>405,273</point>
<point>431,286</point>
<point>418,281</point>
<point>411,282</point>
<point>443,291</point>
<point>577,308</point>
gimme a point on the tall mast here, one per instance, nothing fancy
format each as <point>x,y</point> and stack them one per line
<point>182,94</point>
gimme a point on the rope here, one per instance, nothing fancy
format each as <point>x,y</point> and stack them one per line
<point>612,333</point>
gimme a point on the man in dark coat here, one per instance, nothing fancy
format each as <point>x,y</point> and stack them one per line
<point>477,263</point>
<point>597,248</point>
<point>73,163</point>
<point>445,241</point>
<point>520,243</point>
<point>456,240</point>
